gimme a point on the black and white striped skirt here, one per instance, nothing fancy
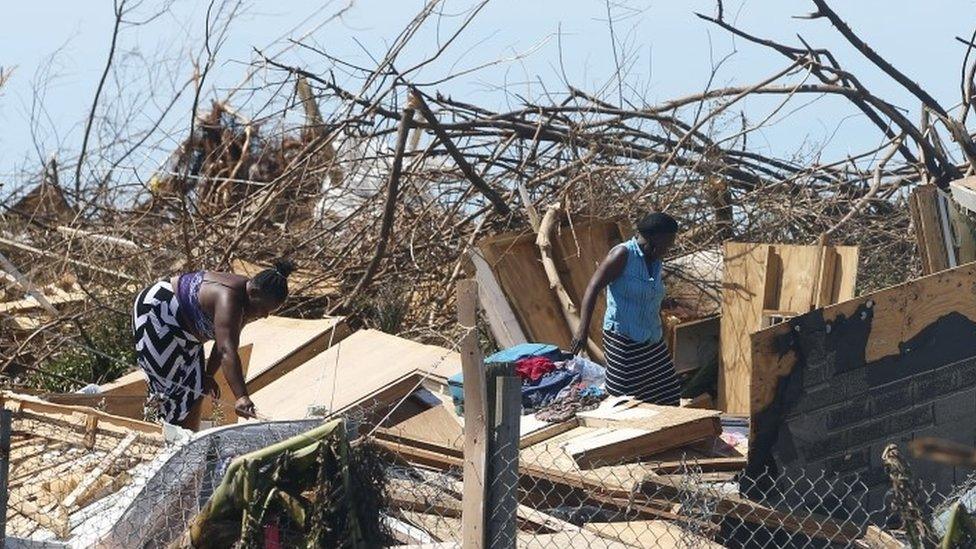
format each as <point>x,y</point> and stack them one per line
<point>171,358</point>
<point>640,370</point>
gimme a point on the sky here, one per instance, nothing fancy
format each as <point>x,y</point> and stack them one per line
<point>57,51</point>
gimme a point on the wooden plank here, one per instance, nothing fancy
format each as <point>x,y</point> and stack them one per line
<point>845,274</point>
<point>608,446</point>
<point>504,324</point>
<point>363,364</point>
<point>651,534</point>
<point>515,260</point>
<point>707,465</point>
<point>282,344</point>
<point>79,495</point>
<point>25,403</point>
<point>743,294</point>
<point>440,526</point>
<point>130,384</point>
<point>475,420</point>
<point>548,431</point>
<point>929,235</point>
<point>279,345</point>
<point>125,406</point>
<point>760,279</point>
<point>436,424</point>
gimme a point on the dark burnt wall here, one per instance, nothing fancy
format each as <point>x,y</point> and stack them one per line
<point>835,413</point>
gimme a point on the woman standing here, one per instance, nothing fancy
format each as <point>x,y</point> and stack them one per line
<point>173,318</point>
<point>638,361</point>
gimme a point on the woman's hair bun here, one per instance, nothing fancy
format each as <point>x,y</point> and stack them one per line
<point>284,267</point>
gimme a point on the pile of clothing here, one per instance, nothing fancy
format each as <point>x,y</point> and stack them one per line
<point>555,385</point>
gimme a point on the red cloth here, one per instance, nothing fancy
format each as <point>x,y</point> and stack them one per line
<point>534,368</point>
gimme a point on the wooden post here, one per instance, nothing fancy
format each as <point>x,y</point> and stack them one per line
<point>473,527</point>
<point>5,430</point>
<point>504,414</point>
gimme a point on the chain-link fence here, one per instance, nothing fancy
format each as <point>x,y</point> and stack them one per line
<point>393,474</point>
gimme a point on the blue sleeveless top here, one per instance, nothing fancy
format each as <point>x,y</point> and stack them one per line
<point>634,298</point>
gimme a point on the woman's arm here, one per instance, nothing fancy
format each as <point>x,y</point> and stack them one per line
<point>228,316</point>
<point>607,272</point>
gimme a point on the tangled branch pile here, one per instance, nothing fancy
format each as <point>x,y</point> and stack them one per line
<point>381,189</point>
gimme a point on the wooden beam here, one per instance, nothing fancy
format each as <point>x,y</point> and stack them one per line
<point>570,311</point>
<point>504,324</point>
<point>26,284</point>
<point>80,494</point>
<point>475,420</point>
<point>25,403</point>
<point>929,236</point>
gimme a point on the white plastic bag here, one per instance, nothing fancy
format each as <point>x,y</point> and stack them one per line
<point>590,372</point>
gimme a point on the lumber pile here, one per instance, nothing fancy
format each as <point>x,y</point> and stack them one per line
<point>66,462</point>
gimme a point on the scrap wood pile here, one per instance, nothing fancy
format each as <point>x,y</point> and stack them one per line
<point>72,468</point>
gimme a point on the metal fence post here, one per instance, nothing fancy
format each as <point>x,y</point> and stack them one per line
<point>504,418</point>
<point>5,427</point>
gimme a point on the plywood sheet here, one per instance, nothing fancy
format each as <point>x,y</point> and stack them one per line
<point>743,294</point>
<point>787,279</point>
<point>515,261</point>
<point>437,424</point>
<point>281,344</point>
<point>899,314</point>
<point>578,249</point>
<point>365,362</point>
<point>624,430</point>
<point>832,388</point>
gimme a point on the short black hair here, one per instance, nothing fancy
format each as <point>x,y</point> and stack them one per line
<point>273,282</point>
<point>657,223</point>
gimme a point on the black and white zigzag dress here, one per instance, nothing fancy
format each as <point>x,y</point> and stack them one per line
<point>171,357</point>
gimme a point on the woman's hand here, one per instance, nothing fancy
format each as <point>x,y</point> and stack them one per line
<point>210,387</point>
<point>245,408</point>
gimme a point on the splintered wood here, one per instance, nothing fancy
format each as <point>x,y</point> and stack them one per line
<point>63,459</point>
